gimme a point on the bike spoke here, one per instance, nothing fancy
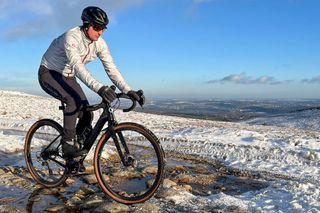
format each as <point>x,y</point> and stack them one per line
<point>134,177</point>
<point>42,153</point>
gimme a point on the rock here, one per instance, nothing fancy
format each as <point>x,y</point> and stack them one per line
<point>150,182</point>
<point>80,196</point>
<point>184,178</point>
<point>73,202</point>
<point>297,206</point>
<point>2,171</point>
<point>150,170</point>
<point>57,208</point>
<point>223,170</point>
<point>70,181</point>
<point>20,182</point>
<point>90,179</point>
<point>201,169</point>
<point>166,193</point>
<point>92,202</point>
<point>147,207</point>
<point>83,192</point>
<point>184,187</point>
<point>10,169</point>
<point>127,174</point>
<point>112,208</point>
<point>187,187</point>
<point>198,179</point>
<point>86,190</point>
<point>167,183</point>
<point>50,191</point>
<point>62,189</point>
<point>180,197</point>
<point>177,169</point>
<point>10,209</point>
<point>80,192</point>
<point>90,170</point>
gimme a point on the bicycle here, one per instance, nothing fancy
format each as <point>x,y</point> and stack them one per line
<point>128,159</point>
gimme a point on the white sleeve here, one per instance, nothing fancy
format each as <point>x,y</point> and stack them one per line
<point>110,67</point>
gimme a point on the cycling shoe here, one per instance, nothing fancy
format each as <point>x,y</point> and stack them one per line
<point>69,150</point>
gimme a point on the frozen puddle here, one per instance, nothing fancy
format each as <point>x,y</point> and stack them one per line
<point>203,179</point>
<point>206,179</point>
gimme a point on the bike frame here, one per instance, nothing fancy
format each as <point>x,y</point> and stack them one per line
<point>107,116</point>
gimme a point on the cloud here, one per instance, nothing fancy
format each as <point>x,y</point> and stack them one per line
<point>242,78</point>
<point>34,28</point>
<point>39,17</point>
<point>11,8</point>
<point>314,80</point>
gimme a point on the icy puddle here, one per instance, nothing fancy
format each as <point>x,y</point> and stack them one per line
<point>190,174</point>
<point>205,179</point>
<point>9,195</point>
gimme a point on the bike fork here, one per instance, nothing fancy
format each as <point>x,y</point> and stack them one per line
<point>125,156</point>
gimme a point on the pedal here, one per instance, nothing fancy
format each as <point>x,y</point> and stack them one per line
<point>73,166</point>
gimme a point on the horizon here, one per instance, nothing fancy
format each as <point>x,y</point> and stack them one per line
<point>196,49</point>
<point>94,98</point>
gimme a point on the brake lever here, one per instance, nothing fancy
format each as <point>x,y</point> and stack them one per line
<point>142,98</point>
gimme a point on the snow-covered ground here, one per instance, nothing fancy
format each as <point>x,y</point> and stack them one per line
<point>304,119</point>
<point>288,158</point>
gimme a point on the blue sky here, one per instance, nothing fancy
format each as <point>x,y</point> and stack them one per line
<point>178,48</point>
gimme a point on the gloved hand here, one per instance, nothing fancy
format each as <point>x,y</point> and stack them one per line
<point>107,94</point>
<point>137,96</point>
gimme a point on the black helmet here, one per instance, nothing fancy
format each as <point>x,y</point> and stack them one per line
<point>94,16</point>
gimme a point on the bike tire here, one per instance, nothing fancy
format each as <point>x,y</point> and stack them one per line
<point>42,168</point>
<point>148,164</point>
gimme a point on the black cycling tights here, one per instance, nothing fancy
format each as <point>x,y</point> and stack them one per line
<point>67,90</point>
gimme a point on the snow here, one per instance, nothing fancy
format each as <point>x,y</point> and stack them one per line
<point>307,119</point>
<point>287,157</point>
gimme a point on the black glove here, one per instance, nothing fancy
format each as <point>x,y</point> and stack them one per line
<point>107,94</point>
<point>137,96</point>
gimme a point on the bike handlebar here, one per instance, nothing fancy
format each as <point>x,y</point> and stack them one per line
<point>104,103</point>
<point>125,96</point>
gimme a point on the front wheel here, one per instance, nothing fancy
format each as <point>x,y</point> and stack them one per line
<point>135,176</point>
<point>42,153</point>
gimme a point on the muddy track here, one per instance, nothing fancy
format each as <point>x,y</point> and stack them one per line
<point>184,174</point>
<point>187,175</point>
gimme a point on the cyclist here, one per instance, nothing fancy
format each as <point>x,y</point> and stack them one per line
<point>65,60</point>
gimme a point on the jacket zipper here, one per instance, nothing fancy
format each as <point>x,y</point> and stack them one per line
<point>87,52</point>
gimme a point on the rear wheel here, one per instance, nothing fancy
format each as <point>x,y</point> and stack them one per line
<point>137,176</point>
<point>42,152</point>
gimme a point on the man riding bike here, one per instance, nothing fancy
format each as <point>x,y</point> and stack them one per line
<point>65,60</point>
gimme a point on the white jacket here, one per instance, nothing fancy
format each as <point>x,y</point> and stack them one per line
<point>69,53</point>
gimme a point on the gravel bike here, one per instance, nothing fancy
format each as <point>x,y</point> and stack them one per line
<point>128,158</point>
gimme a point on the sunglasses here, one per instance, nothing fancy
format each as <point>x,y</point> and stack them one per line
<point>99,28</point>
